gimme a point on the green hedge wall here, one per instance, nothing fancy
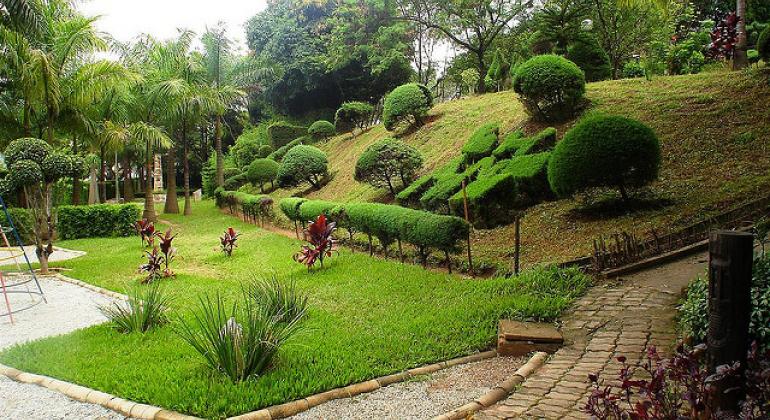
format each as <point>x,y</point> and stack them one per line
<point>290,207</point>
<point>253,206</point>
<point>508,146</point>
<point>25,226</point>
<point>410,196</point>
<point>100,220</point>
<point>491,200</point>
<point>280,133</point>
<point>309,210</point>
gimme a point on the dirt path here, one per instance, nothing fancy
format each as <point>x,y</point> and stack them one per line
<point>620,318</point>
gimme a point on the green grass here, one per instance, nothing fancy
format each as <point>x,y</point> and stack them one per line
<point>368,317</point>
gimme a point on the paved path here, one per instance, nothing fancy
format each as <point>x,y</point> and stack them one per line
<point>59,254</point>
<point>609,321</point>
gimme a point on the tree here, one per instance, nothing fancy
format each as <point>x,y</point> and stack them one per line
<point>388,161</point>
<point>352,115</point>
<point>303,164</point>
<point>35,167</point>
<point>410,102</point>
<point>321,130</point>
<point>262,171</point>
<point>560,22</point>
<point>740,58</point>
<point>550,87</point>
<point>470,24</point>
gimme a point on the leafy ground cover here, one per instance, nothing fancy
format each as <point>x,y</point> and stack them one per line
<point>714,135</point>
<point>368,317</point>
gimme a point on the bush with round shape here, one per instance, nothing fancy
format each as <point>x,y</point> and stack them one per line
<point>632,69</point>
<point>25,172</point>
<point>550,87</point>
<point>280,133</point>
<point>321,130</point>
<point>604,151</point>
<point>352,115</point>
<point>591,58</point>
<point>235,182</point>
<point>27,148</point>
<point>56,166</point>
<point>387,162</point>
<point>410,102</point>
<point>262,171</point>
<point>264,151</point>
<point>245,151</point>
<point>763,45</point>
<point>303,164</point>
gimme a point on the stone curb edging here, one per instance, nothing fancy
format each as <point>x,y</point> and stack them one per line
<point>91,287</point>
<point>498,393</point>
<point>298,406</point>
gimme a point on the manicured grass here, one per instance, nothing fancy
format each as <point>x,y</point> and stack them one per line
<point>368,317</point>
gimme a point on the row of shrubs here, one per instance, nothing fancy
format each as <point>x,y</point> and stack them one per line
<point>94,221</point>
<point>388,223</point>
<point>253,206</point>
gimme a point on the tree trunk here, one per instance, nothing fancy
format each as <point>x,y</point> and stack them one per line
<point>172,202</point>
<point>128,183</point>
<point>186,170</point>
<point>149,204</point>
<point>76,178</point>
<point>26,120</point>
<point>102,176</point>
<point>218,149</point>
<point>482,87</point>
<point>623,192</point>
<point>740,58</point>
<point>50,126</point>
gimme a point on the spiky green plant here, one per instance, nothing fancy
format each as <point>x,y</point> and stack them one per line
<point>281,299</point>
<point>146,308</point>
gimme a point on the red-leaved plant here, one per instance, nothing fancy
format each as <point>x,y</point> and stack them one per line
<point>169,252</point>
<point>146,230</point>
<point>228,241</point>
<point>153,267</point>
<point>321,242</point>
<point>680,388</point>
<point>724,37</point>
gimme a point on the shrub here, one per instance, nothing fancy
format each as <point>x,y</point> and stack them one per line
<point>228,241</point>
<point>410,196</point>
<point>540,142</point>
<point>146,308</point>
<point>264,151</point>
<point>321,243</point>
<point>236,181</point>
<point>352,115</point>
<point>632,69</point>
<point>550,87</point>
<point>482,142</point>
<point>282,299</point>
<point>508,146</point>
<point>591,58</point>
<point>763,45</point>
<point>436,197</point>
<point>245,151</point>
<point>604,151</point>
<point>280,133</point>
<point>240,340</point>
<point>309,210</point>
<point>303,164</point>
<point>262,171</point>
<point>27,148</point>
<point>97,221</point>
<point>25,226</point>
<point>279,153</point>
<point>321,130</point>
<point>411,101</point>
<point>386,162</point>
<point>290,207</point>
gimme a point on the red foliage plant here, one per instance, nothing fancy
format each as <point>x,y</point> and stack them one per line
<point>169,252</point>
<point>146,230</point>
<point>321,243</point>
<point>724,36</point>
<point>153,267</point>
<point>228,241</point>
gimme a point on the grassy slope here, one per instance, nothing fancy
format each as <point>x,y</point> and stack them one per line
<point>713,128</point>
<point>368,317</point>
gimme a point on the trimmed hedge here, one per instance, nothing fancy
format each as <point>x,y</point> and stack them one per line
<point>389,223</point>
<point>303,164</point>
<point>281,133</point>
<point>279,153</point>
<point>509,145</point>
<point>388,162</point>
<point>352,115</point>
<point>309,210</point>
<point>253,206</point>
<point>409,101</point>
<point>550,87</point>
<point>410,196</point>
<point>437,196</point>
<point>482,142</point>
<point>321,130</point>
<point>96,221</point>
<point>25,225</point>
<point>540,142</point>
<point>490,200</point>
<point>262,171</point>
<point>290,207</point>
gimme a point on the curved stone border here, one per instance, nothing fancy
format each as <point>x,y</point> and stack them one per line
<point>499,392</point>
<point>91,287</point>
<point>298,406</point>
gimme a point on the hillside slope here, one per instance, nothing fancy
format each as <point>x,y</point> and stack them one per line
<point>714,130</point>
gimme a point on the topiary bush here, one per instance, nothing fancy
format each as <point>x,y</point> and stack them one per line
<point>235,182</point>
<point>482,142</point>
<point>97,221</point>
<point>410,196</point>
<point>280,133</point>
<point>540,142</point>
<point>290,207</point>
<point>264,151</point>
<point>632,69</point>
<point>309,210</point>
<point>279,153</point>
<point>410,102</point>
<point>262,171</point>
<point>245,151</point>
<point>321,130</point>
<point>591,58</point>
<point>303,164</point>
<point>763,45</point>
<point>352,115</point>
<point>388,162</point>
<point>604,151</point>
<point>550,87</point>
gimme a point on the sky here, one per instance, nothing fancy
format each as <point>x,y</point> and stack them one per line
<point>126,19</point>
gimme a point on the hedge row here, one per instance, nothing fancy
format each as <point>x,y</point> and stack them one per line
<point>388,223</point>
<point>24,224</point>
<point>482,142</point>
<point>253,206</point>
<point>100,220</point>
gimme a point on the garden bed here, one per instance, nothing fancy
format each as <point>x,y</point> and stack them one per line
<point>368,317</point>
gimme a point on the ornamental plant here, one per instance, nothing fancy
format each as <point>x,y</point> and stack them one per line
<point>321,130</point>
<point>169,252</point>
<point>550,87</point>
<point>303,164</point>
<point>153,267</point>
<point>388,162</point>
<point>262,171</point>
<point>321,243</point>
<point>35,167</point>
<point>146,231</point>
<point>228,241</point>
<point>352,115</point>
<point>146,308</point>
<point>407,103</point>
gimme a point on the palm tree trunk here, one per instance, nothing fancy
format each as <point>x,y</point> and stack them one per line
<point>26,118</point>
<point>149,204</point>
<point>218,148</point>
<point>186,170</point>
<point>76,177</point>
<point>102,176</point>
<point>740,58</point>
<point>172,201</point>
<point>128,183</point>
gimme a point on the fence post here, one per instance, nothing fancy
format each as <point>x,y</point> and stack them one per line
<point>731,256</point>
<point>517,244</point>
<point>470,227</point>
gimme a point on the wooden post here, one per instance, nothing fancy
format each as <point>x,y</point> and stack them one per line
<point>470,226</point>
<point>730,259</point>
<point>400,251</point>
<point>517,244</point>
<point>448,262</point>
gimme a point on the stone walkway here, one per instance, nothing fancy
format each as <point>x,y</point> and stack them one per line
<point>622,318</point>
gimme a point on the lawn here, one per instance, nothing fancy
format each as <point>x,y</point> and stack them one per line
<point>369,317</point>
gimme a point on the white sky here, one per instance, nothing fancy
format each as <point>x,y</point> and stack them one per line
<point>126,19</point>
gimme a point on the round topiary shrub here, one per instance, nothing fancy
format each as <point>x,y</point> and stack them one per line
<point>632,69</point>
<point>264,151</point>
<point>410,102</point>
<point>27,148</point>
<point>550,87</point>
<point>352,115</point>
<point>763,45</point>
<point>25,172</point>
<point>388,162</point>
<point>321,130</point>
<point>591,58</point>
<point>262,171</point>
<point>302,164</point>
<point>604,151</point>
<point>56,166</point>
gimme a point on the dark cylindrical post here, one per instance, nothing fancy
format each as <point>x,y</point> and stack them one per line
<point>730,259</point>
<point>517,245</point>
<point>470,226</point>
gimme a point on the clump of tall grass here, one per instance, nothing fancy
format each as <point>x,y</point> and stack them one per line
<point>146,308</point>
<point>241,339</point>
